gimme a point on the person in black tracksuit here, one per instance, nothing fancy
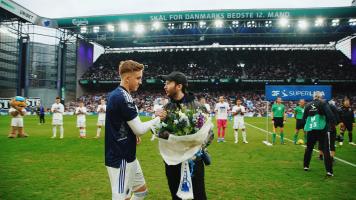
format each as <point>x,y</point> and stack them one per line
<point>332,132</point>
<point>347,120</point>
<point>319,122</point>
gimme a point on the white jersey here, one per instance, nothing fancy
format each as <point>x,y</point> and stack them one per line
<point>239,118</point>
<point>101,115</point>
<point>18,115</point>
<point>81,117</point>
<point>59,108</point>
<point>157,107</point>
<point>207,106</point>
<point>239,110</point>
<point>222,110</point>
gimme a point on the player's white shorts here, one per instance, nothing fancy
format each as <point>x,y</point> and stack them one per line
<point>240,124</point>
<point>101,122</point>
<point>126,179</point>
<point>81,123</point>
<point>17,122</point>
<point>57,122</point>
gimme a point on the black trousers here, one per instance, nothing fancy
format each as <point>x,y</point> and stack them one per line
<point>173,177</point>
<point>323,138</point>
<point>348,127</point>
<point>42,118</point>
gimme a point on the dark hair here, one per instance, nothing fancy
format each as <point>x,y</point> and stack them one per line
<point>57,98</point>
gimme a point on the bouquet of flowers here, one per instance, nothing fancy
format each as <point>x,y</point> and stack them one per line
<point>188,129</point>
<point>183,121</point>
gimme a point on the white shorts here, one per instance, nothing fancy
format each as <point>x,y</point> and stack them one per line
<point>101,123</point>
<point>81,123</point>
<point>126,179</point>
<point>17,122</point>
<point>239,124</point>
<point>57,122</point>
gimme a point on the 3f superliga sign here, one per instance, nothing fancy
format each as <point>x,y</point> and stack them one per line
<point>296,92</point>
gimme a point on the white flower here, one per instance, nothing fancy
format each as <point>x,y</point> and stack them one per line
<point>164,124</point>
<point>175,121</point>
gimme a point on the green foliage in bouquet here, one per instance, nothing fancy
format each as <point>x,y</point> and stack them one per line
<point>183,121</point>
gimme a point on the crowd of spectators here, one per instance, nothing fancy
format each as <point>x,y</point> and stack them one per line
<point>145,100</point>
<point>253,65</point>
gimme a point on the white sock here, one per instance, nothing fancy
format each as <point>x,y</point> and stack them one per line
<point>244,135</point>
<point>81,132</point>
<point>98,132</point>
<point>54,130</point>
<point>61,131</point>
<point>139,195</point>
<point>236,133</point>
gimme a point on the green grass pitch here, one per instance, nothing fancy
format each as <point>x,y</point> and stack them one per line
<point>42,168</point>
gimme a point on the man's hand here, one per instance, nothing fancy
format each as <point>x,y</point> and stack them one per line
<point>163,135</point>
<point>342,125</point>
<point>161,114</point>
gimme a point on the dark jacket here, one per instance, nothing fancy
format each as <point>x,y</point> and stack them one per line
<point>336,115</point>
<point>321,108</point>
<point>347,115</point>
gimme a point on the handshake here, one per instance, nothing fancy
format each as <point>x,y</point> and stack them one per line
<point>162,114</point>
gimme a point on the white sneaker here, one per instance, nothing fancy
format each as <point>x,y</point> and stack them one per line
<point>341,143</point>
<point>236,141</point>
<point>329,174</point>
<point>245,142</point>
<point>352,143</point>
<point>53,137</point>
<point>306,168</point>
<point>61,137</point>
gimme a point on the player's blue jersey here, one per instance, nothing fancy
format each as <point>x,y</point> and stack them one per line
<point>120,141</point>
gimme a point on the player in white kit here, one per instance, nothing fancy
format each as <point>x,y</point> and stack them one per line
<point>202,100</point>
<point>101,117</point>
<point>81,111</point>
<point>238,111</point>
<point>57,118</point>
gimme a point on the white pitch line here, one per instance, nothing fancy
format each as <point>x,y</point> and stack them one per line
<point>339,159</point>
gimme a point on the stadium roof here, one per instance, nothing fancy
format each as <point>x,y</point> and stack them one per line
<point>227,27</point>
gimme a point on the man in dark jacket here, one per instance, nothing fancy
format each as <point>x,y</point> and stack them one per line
<point>332,132</point>
<point>319,121</point>
<point>176,89</point>
<point>347,120</point>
